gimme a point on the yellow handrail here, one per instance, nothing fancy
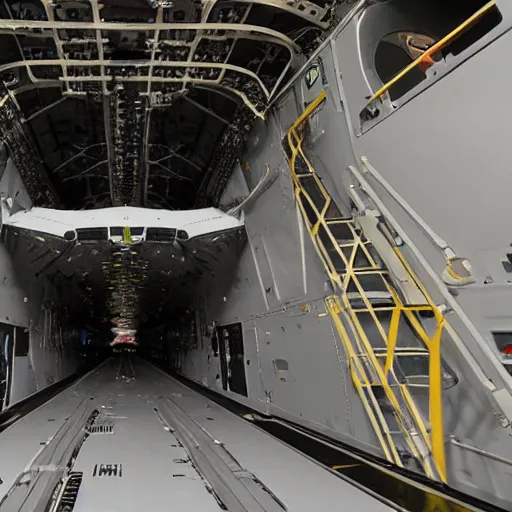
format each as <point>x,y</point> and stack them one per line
<point>435,48</point>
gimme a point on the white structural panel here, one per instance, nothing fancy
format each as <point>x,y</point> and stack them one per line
<point>57,222</point>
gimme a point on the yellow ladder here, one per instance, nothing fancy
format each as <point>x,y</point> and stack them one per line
<point>363,287</point>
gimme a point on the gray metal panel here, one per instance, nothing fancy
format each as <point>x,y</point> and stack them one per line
<point>331,152</point>
<point>356,88</point>
<point>305,372</point>
<point>279,256</point>
<point>12,186</point>
<point>466,178</point>
<point>268,282</point>
<point>298,370</point>
<point>289,109</point>
<point>231,282</point>
<point>14,308</point>
<point>22,305</point>
<point>23,381</point>
<point>253,368</point>
<point>274,227</point>
<point>236,189</point>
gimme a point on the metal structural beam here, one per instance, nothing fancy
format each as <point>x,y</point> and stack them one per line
<point>45,109</point>
<point>77,155</point>
<point>175,154</point>
<point>206,109</point>
<point>15,25</point>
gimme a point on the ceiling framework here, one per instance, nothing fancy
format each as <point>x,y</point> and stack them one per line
<point>24,153</point>
<point>144,102</point>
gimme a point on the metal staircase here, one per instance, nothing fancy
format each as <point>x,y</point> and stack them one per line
<point>389,325</point>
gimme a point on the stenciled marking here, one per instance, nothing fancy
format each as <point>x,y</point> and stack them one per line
<point>108,470</point>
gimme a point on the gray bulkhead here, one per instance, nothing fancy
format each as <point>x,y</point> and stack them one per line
<point>443,147</point>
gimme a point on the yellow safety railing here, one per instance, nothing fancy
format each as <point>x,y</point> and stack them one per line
<point>350,261</point>
<point>435,48</point>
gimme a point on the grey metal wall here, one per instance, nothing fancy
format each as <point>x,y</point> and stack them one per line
<point>447,152</point>
<point>14,310</point>
<point>23,307</point>
<point>276,291</point>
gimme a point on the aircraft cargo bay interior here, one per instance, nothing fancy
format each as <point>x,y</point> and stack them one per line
<point>255,255</point>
